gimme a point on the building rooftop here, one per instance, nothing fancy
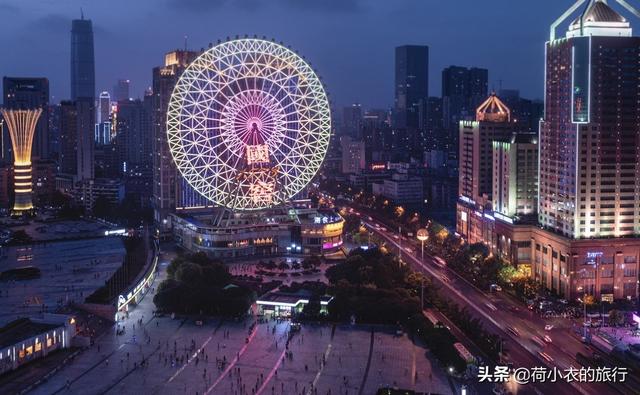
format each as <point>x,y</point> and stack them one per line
<point>290,298</point>
<point>493,110</point>
<point>599,11</point>
<point>22,329</point>
<point>599,19</point>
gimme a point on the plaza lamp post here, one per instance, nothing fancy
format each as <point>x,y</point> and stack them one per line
<point>422,235</point>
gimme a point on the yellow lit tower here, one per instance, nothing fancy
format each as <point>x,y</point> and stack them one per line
<point>22,125</point>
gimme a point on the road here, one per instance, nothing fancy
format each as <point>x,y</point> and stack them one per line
<point>499,313</point>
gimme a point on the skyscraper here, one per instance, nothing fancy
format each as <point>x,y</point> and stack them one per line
<point>589,158</point>
<point>411,84</point>
<point>83,78</point>
<point>121,90</point>
<point>463,89</point>
<point>589,147</point>
<point>28,94</point>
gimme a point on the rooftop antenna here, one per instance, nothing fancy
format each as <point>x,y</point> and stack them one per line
<point>81,14</point>
<point>185,42</point>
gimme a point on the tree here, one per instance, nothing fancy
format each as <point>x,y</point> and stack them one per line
<point>507,274</point>
<point>174,265</point>
<point>189,273</point>
<point>616,318</point>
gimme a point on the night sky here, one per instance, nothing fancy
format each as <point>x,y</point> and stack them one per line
<point>350,42</point>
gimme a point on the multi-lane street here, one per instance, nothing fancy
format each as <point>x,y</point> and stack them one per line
<point>524,331</point>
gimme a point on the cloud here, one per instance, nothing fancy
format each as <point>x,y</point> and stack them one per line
<point>8,8</point>
<point>340,6</point>
<point>60,24</point>
<point>195,5</point>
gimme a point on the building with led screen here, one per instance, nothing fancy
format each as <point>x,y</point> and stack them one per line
<point>248,127</point>
<point>585,237</point>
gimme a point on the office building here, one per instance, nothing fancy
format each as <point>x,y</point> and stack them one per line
<point>483,171</point>
<point>463,89</point>
<point>133,133</point>
<point>77,139</point>
<point>104,108</point>
<point>411,85</point>
<point>515,175</point>
<point>352,121</point>
<point>589,155</point>
<point>83,80</point>
<point>586,239</point>
<point>121,90</point>
<point>493,122</point>
<point>403,189</point>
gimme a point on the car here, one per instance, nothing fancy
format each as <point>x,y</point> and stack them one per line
<point>538,341</point>
<point>513,330</point>
<point>441,261</point>
<point>370,219</point>
<point>495,288</point>
<point>444,278</point>
<point>548,327</point>
<point>584,339</point>
<point>546,356</point>
<point>586,323</point>
<point>547,338</point>
<point>491,306</point>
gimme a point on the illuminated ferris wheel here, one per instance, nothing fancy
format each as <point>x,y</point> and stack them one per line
<point>248,124</point>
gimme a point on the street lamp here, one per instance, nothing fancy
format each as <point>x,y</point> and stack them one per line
<point>422,235</point>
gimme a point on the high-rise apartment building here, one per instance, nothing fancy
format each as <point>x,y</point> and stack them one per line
<point>26,94</point>
<point>353,155</point>
<point>83,79</point>
<point>411,85</point>
<point>170,190</point>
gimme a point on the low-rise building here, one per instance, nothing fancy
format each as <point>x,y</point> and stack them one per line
<point>28,339</point>
<point>221,234</point>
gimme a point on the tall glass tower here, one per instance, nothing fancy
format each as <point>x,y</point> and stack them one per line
<point>83,80</point>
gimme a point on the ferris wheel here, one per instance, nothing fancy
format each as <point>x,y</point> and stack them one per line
<point>248,124</point>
